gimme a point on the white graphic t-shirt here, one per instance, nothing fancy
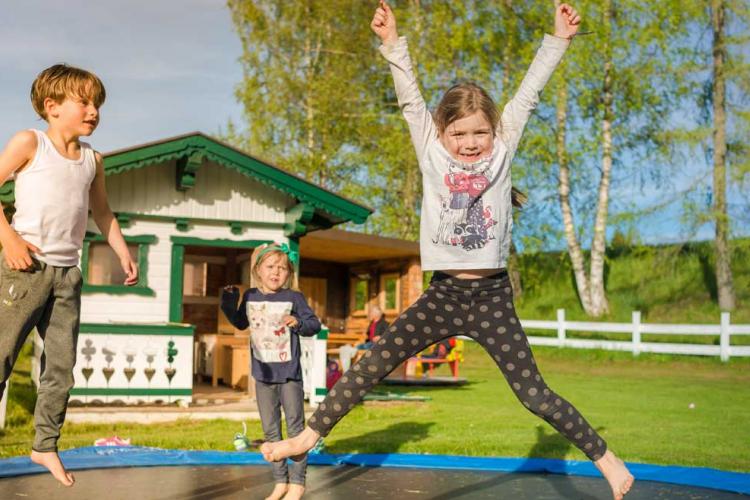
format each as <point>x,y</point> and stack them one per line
<point>270,339</point>
<point>466,214</point>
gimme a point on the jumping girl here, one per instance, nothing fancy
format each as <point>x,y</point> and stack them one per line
<point>464,153</point>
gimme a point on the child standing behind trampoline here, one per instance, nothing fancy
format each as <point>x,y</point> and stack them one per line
<point>276,316</point>
<point>464,153</point>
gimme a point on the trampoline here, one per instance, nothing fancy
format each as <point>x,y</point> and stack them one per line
<point>136,473</point>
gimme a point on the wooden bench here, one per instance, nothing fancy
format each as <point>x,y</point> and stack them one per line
<point>336,340</point>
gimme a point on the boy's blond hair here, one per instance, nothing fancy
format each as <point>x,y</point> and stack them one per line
<point>61,81</point>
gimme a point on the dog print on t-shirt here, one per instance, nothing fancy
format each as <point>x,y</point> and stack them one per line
<point>269,337</point>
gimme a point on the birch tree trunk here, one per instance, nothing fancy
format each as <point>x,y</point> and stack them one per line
<point>574,247</point>
<point>590,288</point>
<point>599,303</point>
<point>721,243</point>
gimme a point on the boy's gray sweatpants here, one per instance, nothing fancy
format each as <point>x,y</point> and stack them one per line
<point>48,298</point>
<point>271,398</point>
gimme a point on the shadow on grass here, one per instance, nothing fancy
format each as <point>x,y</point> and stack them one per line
<point>387,440</point>
<point>396,386</point>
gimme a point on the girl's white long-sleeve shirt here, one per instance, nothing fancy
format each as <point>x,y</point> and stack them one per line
<point>466,208</point>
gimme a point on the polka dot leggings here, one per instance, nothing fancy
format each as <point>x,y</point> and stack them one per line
<point>478,308</point>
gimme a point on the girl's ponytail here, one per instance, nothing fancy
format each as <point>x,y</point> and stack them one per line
<point>518,198</point>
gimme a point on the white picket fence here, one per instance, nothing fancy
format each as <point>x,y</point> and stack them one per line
<point>724,330</point>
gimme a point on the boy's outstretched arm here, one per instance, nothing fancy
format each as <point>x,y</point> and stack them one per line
<point>17,154</point>
<point>108,225</point>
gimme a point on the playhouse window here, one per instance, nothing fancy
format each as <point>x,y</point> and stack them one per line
<point>104,266</point>
<point>359,294</point>
<point>389,292</point>
<point>102,271</point>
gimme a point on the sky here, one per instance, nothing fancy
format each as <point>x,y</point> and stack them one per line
<point>170,67</point>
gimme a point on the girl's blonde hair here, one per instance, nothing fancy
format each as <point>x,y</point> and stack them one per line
<point>465,99</point>
<point>62,81</point>
<point>260,255</point>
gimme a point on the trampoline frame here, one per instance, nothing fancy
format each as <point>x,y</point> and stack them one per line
<point>93,457</point>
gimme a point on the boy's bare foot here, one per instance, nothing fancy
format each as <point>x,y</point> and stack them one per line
<point>619,477</point>
<point>295,492</point>
<point>279,490</point>
<point>294,448</point>
<point>51,461</point>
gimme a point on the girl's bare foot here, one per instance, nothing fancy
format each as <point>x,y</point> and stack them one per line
<point>295,492</point>
<point>619,477</point>
<point>279,490</point>
<point>51,461</point>
<point>294,448</point>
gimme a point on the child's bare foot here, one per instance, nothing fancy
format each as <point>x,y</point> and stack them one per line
<point>295,492</point>
<point>294,448</point>
<point>278,491</point>
<point>619,477</point>
<point>51,461</point>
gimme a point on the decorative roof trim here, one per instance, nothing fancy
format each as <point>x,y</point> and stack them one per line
<point>338,208</point>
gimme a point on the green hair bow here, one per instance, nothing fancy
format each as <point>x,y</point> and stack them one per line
<point>282,247</point>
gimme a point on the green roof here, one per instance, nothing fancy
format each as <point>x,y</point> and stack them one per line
<point>190,150</point>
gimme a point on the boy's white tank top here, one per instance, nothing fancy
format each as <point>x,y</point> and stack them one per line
<point>52,202</point>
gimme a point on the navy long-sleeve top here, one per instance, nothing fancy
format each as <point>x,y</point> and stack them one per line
<point>276,350</point>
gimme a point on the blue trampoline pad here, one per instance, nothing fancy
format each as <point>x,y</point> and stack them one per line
<point>135,474</point>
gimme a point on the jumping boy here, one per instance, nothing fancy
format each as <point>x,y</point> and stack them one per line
<point>57,180</point>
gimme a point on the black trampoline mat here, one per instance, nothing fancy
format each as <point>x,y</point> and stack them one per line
<point>339,482</point>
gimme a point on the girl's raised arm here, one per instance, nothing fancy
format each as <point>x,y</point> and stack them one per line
<point>517,112</point>
<point>395,50</point>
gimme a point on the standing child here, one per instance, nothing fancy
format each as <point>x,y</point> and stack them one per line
<point>277,316</point>
<point>464,152</point>
<point>57,180</point>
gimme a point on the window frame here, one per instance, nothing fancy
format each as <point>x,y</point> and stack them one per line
<point>353,297</point>
<point>141,288</point>
<point>382,293</point>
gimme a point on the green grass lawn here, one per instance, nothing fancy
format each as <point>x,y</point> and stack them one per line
<point>640,406</point>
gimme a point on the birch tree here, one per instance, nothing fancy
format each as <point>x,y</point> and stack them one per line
<point>720,68</point>
<point>620,92</point>
<point>724,282</point>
